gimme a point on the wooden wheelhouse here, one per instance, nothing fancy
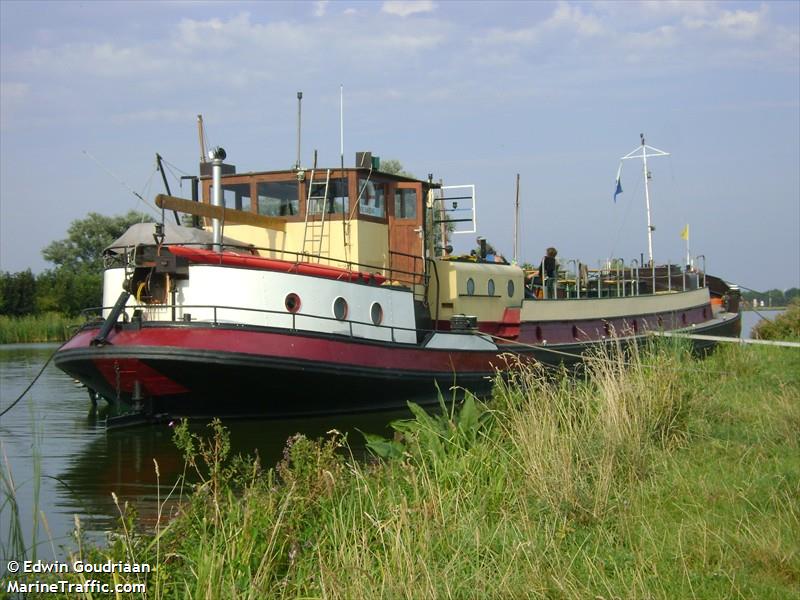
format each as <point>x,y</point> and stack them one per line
<point>351,216</point>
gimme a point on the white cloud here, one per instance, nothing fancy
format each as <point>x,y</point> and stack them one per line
<point>404,8</point>
<point>738,23</point>
<point>571,17</point>
<point>320,7</point>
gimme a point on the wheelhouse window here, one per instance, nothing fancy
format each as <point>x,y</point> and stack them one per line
<point>337,200</point>
<point>236,195</point>
<point>405,204</point>
<point>277,198</point>
<point>372,198</point>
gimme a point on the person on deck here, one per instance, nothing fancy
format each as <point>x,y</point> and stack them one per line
<point>548,272</point>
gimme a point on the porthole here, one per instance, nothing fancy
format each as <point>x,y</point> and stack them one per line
<point>490,287</point>
<point>340,308</point>
<point>538,333</point>
<point>292,303</point>
<point>470,287</point>
<point>510,288</point>
<point>376,313</point>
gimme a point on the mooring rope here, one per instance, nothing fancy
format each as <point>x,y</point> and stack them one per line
<point>30,385</point>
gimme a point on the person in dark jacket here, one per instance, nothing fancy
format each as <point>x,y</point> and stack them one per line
<point>548,272</point>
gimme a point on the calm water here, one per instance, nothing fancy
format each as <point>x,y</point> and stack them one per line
<point>81,463</point>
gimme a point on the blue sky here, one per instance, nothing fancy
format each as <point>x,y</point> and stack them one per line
<point>471,92</point>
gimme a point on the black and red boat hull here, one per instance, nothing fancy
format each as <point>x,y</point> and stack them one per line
<point>184,369</point>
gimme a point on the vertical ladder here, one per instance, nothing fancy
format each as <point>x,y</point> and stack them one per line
<point>315,221</point>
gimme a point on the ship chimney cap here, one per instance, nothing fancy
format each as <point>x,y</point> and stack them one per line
<point>217,153</point>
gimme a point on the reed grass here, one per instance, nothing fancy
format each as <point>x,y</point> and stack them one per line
<point>653,476</point>
<point>47,327</point>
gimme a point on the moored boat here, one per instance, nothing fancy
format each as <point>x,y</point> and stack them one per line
<point>335,290</point>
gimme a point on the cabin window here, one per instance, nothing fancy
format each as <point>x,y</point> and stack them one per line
<point>376,313</point>
<point>372,200</point>
<point>510,288</point>
<point>292,303</point>
<point>336,201</point>
<point>490,287</point>
<point>236,195</point>
<point>470,287</point>
<point>405,204</point>
<point>277,198</point>
<point>340,308</point>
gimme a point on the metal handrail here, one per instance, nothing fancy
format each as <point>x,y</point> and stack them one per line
<point>87,312</point>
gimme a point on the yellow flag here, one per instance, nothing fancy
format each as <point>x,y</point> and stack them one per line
<point>685,232</point>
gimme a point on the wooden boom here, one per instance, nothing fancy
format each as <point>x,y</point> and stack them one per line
<point>229,215</point>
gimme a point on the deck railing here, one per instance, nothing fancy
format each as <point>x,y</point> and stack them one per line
<point>616,279</point>
<point>221,315</point>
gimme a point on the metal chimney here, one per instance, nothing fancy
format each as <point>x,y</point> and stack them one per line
<point>217,156</point>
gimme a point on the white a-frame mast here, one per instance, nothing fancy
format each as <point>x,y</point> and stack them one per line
<point>644,152</point>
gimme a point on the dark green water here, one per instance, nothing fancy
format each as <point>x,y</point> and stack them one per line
<point>81,463</point>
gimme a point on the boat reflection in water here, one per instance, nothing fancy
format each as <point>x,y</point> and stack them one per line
<point>122,460</point>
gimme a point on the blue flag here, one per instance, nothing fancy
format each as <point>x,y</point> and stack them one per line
<point>619,183</point>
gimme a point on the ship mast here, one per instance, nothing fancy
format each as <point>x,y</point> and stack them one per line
<point>642,152</point>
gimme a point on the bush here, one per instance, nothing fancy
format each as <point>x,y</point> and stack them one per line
<point>785,327</point>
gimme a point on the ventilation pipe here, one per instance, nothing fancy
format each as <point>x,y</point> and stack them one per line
<point>217,156</point>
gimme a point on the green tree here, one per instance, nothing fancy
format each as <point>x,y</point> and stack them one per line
<point>86,240</point>
<point>394,167</point>
<point>77,281</point>
<point>69,291</point>
<point>17,293</point>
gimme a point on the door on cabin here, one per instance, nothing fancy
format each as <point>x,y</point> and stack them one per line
<point>405,233</point>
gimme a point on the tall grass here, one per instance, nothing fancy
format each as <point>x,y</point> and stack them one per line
<point>47,327</point>
<point>654,476</point>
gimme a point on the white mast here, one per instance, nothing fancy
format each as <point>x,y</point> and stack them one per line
<point>516,225</point>
<point>642,152</point>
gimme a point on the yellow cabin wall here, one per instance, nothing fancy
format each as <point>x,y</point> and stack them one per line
<point>453,298</point>
<point>369,242</point>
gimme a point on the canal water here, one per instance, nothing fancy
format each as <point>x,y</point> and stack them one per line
<point>64,462</point>
<point>51,440</point>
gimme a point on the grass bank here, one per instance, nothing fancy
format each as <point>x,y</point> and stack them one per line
<point>47,327</point>
<point>656,476</point>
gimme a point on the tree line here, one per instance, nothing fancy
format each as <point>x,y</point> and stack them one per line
<point>76,280</point>
<point>773,297</point>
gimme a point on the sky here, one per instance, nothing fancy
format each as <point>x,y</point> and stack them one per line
<point>472,92</point>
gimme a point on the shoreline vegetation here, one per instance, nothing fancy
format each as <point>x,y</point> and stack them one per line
<point>654,475</point>
<point>36,328</point>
